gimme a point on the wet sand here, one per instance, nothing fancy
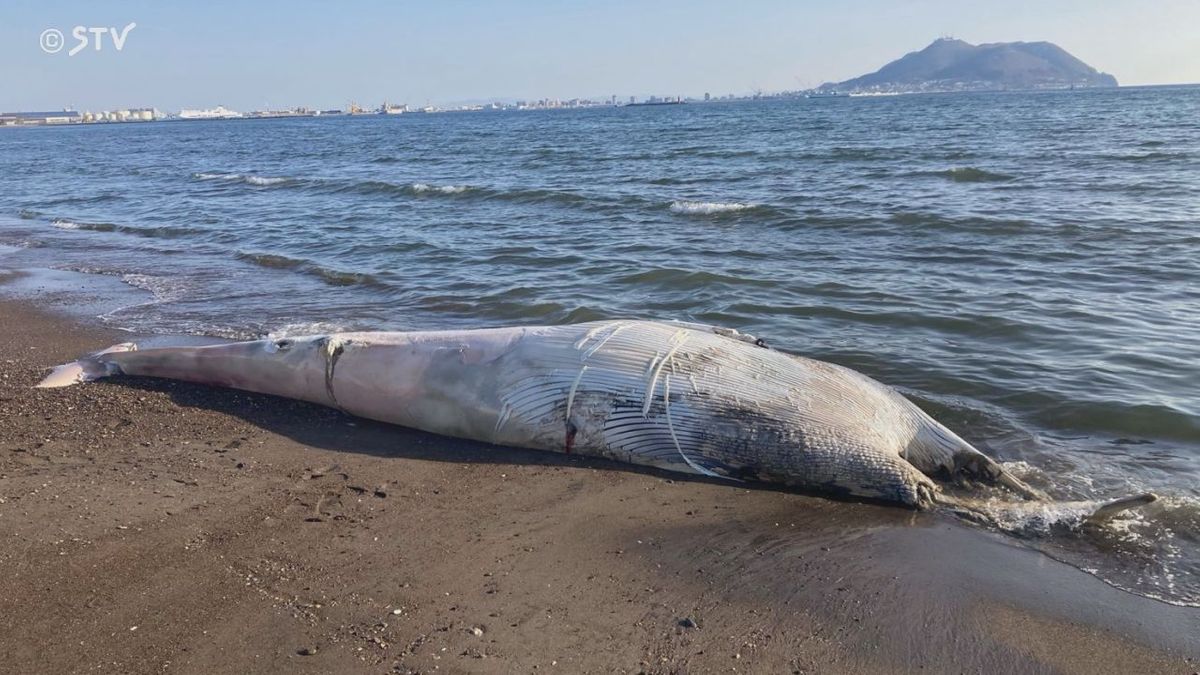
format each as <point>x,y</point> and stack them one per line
<point>152,526</point>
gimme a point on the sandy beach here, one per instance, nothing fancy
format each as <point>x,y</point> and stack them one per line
<point>153,526</point>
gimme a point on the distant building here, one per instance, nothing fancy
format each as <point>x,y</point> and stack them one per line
<point>128,115</point>
<point>31,118</point>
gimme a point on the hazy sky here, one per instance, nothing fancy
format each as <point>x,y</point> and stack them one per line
<point>249,55</point>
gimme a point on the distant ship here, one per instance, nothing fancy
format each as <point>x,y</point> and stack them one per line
<point>389,109</point>
<point>826,94</point>
<point>217,113</point>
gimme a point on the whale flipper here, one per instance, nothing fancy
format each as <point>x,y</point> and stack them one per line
<point>1107,510</point>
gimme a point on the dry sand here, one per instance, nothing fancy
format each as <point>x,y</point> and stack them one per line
<point>152,526</point>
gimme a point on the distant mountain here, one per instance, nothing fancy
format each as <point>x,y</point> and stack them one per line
<point>953,65</point>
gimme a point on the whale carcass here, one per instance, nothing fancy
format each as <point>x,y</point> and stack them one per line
<point>682,397</point>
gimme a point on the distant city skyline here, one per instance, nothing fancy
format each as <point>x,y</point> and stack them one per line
<point>284,55</point>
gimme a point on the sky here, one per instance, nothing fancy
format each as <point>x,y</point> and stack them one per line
<point>254,55</point>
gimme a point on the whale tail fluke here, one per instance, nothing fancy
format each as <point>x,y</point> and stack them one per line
<point>86,369</point>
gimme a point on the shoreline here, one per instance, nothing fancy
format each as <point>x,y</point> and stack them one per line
<point>155,525</point>
<point>785,95</point>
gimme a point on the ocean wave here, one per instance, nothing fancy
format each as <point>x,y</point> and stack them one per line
<point>684,279</point>
<point>379,187</point>
<point>1123,420</point>
<point>264,180</point>
<point>335,277</point>
<point>331,276</point>
<point>270,260</point>
<point>368,187</point>
<point>857,153</point>
<point>163,288</point>
<point>1148,551</point>
<point>420,188</point>
<point>973,224</point>
<point>29,214</point>
<point>1037,518</point>
<point>709,208</point>
<point>166,232</point>
<point>516,195</point>
<point>1146,157</point>
<point>970,174</point>
<point>496,307</point>
<point>304,329</point>
<point>95,199</point>
<point>540,196</point>
<point>708,152</point>
<point>249,179</point>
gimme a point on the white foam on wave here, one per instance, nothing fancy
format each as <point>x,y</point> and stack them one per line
<point>264,180</point>
<point>443,189</point>
<point>249,179</point>
<point>305,329</point>
<point>708,208</point>
<point>1040,518</point>
<point>163,288</point>
<point>64,224</point>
